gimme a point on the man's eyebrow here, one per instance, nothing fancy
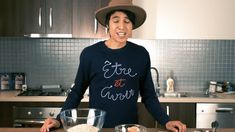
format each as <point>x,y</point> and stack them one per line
<point>119,17</point>
<point>115,17</point>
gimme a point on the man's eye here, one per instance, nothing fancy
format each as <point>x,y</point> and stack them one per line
<point>127,21</point>
<point>115,21</point>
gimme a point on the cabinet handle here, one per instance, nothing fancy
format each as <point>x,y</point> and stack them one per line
<point>40,17</point>
<point>168,110</point>
<point>230,110</point>
<point>95,26</point>
<point>50,18</point>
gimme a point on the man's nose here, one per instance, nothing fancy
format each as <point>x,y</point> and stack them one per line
<point>121,25</point>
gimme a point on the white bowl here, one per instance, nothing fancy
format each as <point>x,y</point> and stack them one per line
<point>130,128</point>
<point>82,120</point>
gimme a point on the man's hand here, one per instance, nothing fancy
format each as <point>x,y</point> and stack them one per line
<point>176,126</point>
<point>49,123</point>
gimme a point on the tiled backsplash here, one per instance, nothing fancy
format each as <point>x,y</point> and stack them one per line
<point>192,63</point>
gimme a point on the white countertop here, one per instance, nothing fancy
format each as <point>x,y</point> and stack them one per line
<point>11,96</point>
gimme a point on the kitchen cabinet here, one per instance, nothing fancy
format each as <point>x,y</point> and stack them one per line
<point>193,19</point>
<point>84,23</point>
<point>47,16</point>
<point>7,117</point>
<point>8,20</point>
<point>222,113</point>
<point>6,110</point>
<point>144,117</point>
<point>36,17</point>
<point>185,112</point>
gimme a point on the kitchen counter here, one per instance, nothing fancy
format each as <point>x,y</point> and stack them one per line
<point>108,130</point>
<point>8,99</point>
<point>11,96</point>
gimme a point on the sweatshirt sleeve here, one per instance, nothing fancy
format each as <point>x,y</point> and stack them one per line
<point>149,97</point>
<point>81,83</point>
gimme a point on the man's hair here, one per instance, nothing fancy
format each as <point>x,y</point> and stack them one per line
<point>130,15</point>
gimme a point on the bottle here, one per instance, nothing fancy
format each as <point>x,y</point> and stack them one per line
<point>170,85</point>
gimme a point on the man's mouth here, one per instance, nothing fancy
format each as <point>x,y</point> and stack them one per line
<point>121,34</point>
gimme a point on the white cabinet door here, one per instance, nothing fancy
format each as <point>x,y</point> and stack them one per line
<point>188,19</point>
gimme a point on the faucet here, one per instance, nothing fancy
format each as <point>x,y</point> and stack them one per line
<point>157,89</point>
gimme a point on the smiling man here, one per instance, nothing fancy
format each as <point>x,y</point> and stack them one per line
<point>117,72</point>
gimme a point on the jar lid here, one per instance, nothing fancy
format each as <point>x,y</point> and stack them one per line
<point>213,82</point>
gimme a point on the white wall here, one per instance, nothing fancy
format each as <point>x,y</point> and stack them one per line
<point>148,29</point>
<point>188,19</point>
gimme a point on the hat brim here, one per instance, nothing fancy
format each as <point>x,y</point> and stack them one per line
<point>140,14</point>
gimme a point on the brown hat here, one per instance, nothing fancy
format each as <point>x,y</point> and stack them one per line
<point>140,14</point>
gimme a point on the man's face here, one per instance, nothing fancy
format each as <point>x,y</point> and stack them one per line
<point>120,27</point>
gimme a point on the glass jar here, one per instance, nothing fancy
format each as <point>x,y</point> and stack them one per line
<point>212,87</point>
<point>229,87</point>
<point>219,87</point>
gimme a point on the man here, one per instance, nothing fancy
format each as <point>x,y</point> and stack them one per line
<point>117,71</point>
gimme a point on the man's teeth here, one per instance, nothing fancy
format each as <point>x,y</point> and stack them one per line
<point>121,34</point>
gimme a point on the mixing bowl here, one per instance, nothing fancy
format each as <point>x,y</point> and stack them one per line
<point>130,128</point>
<point>82,120</point>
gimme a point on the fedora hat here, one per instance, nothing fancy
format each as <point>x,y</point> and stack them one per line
<point>140,14</point>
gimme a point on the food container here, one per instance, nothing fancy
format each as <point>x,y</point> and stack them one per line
<point>219,87</point>
<point>212,86</point>
<point>229,87</point>
<point>5,81</point>
<point>12,81</point>
<point>18,80</point>
<point>82,120</point>
<point>130,128</point>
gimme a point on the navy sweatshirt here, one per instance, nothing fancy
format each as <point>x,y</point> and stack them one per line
<point>116,78</point>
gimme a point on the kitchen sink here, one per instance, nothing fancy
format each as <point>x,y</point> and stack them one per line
<point>201,95</point>
<point>189,95</point>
